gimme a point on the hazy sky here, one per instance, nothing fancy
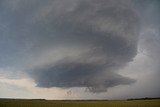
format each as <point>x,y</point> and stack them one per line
<point>79,49</point>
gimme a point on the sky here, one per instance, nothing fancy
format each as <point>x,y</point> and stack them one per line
<point>79,49</point>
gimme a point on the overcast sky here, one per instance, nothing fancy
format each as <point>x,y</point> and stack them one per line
<point>79,49</point>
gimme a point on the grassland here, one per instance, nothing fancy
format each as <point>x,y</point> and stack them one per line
<point>46,103</point>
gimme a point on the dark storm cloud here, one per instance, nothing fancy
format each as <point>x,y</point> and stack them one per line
<point>74,74</point>
<point>91,38</point>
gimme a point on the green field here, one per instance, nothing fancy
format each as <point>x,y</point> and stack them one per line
<point>46,103</point>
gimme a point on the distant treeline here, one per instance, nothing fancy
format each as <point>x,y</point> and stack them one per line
<point>146,98</point>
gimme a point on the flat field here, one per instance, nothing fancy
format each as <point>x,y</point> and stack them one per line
<point>81,103</point>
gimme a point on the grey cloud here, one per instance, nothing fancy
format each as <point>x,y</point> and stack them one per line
<point>150,35</point>
<point>73,74</point>
<point>149,44</point>
<point>107,30</point>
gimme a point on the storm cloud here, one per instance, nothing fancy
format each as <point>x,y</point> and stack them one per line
<point>73,43</point>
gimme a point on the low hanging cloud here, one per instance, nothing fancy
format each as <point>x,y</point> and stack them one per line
<point>78,43</point>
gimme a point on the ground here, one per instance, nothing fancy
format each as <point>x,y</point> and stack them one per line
<point>79,103</point>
